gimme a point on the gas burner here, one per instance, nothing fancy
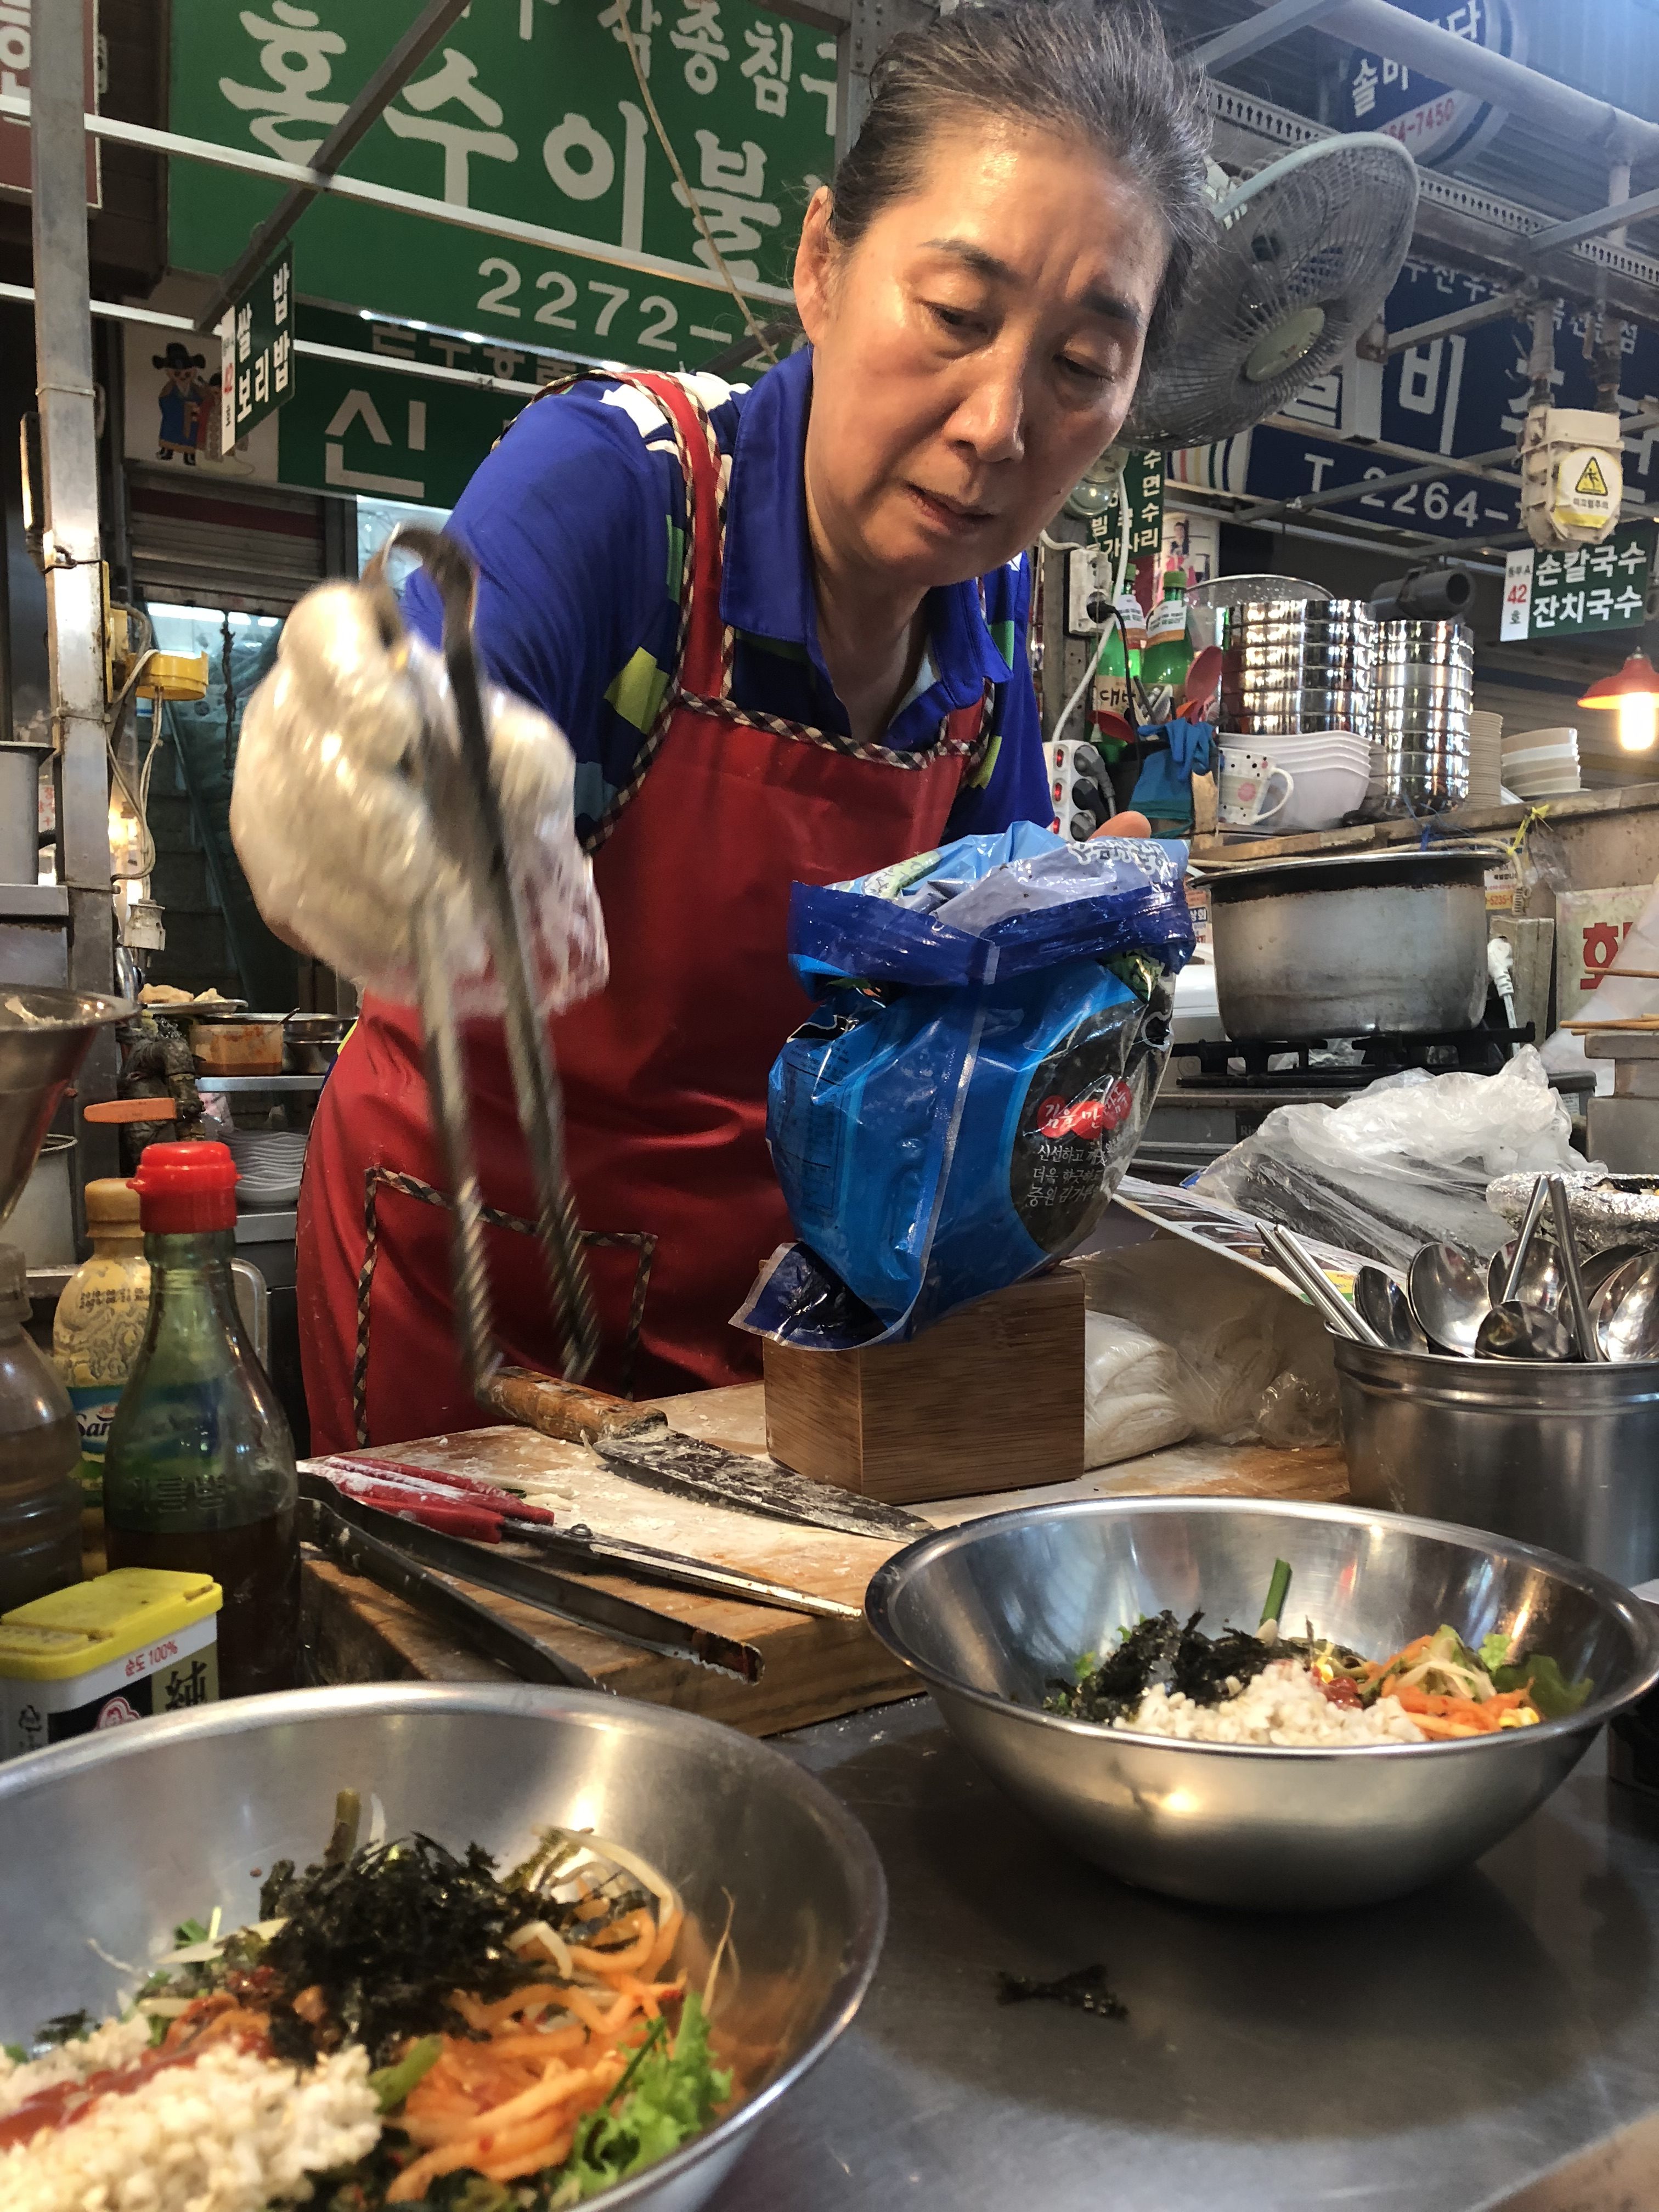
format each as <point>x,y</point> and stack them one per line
<point>1233,1063</point>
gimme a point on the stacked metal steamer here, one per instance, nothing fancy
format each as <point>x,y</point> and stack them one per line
<point>1294,667</point>
<point>1420,739</point>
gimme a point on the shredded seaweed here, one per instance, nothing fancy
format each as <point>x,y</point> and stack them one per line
<point>387,1936</point>
<point>1161,1651</point>
<point>1084,1989</point>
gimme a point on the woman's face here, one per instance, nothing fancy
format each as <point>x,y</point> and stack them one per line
<point>974,352</point>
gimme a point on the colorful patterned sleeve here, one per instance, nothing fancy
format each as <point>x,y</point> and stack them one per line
<point>571,520</point>
<point>1012,783</point>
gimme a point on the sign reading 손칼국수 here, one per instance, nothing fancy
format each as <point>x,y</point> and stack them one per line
<point>529,109</point>
<point>1579,590</point>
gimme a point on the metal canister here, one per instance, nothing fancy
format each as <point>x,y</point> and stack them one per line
<point>1561,1456</point>
<point>1424,691</point>
<point>1293,666</point>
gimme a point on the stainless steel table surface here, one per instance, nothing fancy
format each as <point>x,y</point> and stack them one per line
<point>1428,2055</point>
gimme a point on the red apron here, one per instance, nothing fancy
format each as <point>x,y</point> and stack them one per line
<point>663,1072</point>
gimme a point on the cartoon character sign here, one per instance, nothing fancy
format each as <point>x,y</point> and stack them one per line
<point>187,405</point>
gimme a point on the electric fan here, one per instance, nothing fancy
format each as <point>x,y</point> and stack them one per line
<point>1306,252</point>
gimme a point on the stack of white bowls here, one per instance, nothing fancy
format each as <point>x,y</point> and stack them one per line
<point>1542,763</point>
<point>1486,757</point>
<point>268,1164</point>
<point>1330,770</point>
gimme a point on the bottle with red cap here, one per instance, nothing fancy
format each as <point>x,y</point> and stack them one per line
<point>199,1471</point>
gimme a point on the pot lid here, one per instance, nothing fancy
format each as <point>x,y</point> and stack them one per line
<point>1374,868</point>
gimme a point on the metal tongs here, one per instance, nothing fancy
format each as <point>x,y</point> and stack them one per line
<point>453,773</point>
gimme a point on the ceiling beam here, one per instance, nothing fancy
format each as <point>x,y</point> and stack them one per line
<point>383,87</point>
<point>1597,225</point>
<point>1279,21</point>
<point>1382,29</point>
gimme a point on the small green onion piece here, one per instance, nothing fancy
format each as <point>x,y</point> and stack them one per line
<point>392,2084</point>
<point>1277,1590</point>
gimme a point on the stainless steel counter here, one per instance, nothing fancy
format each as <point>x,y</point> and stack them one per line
<point>1430,2056</point>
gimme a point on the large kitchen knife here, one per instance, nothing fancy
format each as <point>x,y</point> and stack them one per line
<point>641,1447</point>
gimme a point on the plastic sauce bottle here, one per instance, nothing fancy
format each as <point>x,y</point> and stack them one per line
<point>1168,655</point>
<point>39,1452</point>
<point>198,1472</point>
<point>99,1324</point>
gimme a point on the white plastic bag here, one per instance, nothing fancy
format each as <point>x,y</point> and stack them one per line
<point>1179,1343</point>
<point>1405,1162</point>
<point>337,841</point>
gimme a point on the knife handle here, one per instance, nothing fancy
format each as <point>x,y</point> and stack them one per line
<point>565,1410</point>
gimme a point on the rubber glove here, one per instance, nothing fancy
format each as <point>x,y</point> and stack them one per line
<point>335,835</point>
<point>1164,787</point>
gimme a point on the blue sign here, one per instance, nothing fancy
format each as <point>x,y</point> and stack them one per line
<point>1455,397</point>
<point>1436,122</point>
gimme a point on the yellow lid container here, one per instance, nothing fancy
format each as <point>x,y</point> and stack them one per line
<point>90,1624</point>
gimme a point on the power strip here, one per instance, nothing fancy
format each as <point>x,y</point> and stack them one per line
<point>1080,788</point>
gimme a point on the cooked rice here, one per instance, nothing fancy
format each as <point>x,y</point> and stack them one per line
<point>232,2133</point>
<point>115,2043</point>
<point>1283,1705</point>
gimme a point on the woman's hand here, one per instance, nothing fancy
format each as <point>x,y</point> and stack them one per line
<point>334,829</point>
<point>1125,825</point>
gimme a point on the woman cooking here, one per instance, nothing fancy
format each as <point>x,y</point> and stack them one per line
<point>784,631</point>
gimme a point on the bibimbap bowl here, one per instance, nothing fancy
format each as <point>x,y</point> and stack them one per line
<point>993,1613</point>
<point>111,1840</point>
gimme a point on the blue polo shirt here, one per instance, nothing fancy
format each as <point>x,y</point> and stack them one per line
<point>577,523</point>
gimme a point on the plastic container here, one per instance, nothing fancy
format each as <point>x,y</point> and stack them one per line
<point>39,1452</point>
<point>119,1649</point>
<point>100,1323</point>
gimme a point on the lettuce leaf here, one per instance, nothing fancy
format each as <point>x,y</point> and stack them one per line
<point>667,2097</point>
<point>1548,1688</point>
<point>1494,1651</point>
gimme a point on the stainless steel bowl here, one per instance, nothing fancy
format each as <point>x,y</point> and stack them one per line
<point>110,1841</point>
<point>990,1612</point>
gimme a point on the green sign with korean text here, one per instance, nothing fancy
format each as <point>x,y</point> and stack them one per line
<point>1579,591</point>
<point>256,342</point>
<point>529,109</point>
<point>384,434</point>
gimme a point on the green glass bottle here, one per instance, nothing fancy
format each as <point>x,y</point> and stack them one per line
<point>198,1472</point>
<point>1168,655</point>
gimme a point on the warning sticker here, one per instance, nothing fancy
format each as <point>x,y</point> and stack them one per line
<point>1591,479</point>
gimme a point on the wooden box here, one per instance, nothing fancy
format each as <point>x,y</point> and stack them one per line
<point>990,1398</point>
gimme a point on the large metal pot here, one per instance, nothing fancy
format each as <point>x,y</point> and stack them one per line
<point>1565,1457</point>
<point>1355,943</point>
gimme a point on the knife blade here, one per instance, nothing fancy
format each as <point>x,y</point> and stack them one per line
<point>686,1467</point>
<point>588,1607</point>
<point>638,1446</point>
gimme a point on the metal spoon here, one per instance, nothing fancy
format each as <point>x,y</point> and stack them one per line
<point>1449,1299</point>
<point>1379,1299</point>
<point>1514,1331</point>
<point>1628,1312</point>
<point>1589,1344</point>
<point>1597,1271</point>
<point>1526,1269</point>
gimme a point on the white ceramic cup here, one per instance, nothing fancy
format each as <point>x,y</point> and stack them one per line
<point>1247,788</point>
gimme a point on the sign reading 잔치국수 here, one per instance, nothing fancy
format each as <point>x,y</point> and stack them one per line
<point>1434,122</point>
<point>1580,590</point>
<point>256,341</point>
<point>529,109</point>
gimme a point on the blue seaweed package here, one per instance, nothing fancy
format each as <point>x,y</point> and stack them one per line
<point>991,1023</point>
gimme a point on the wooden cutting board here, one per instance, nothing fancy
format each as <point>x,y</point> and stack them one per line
<point>814,1668</point>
